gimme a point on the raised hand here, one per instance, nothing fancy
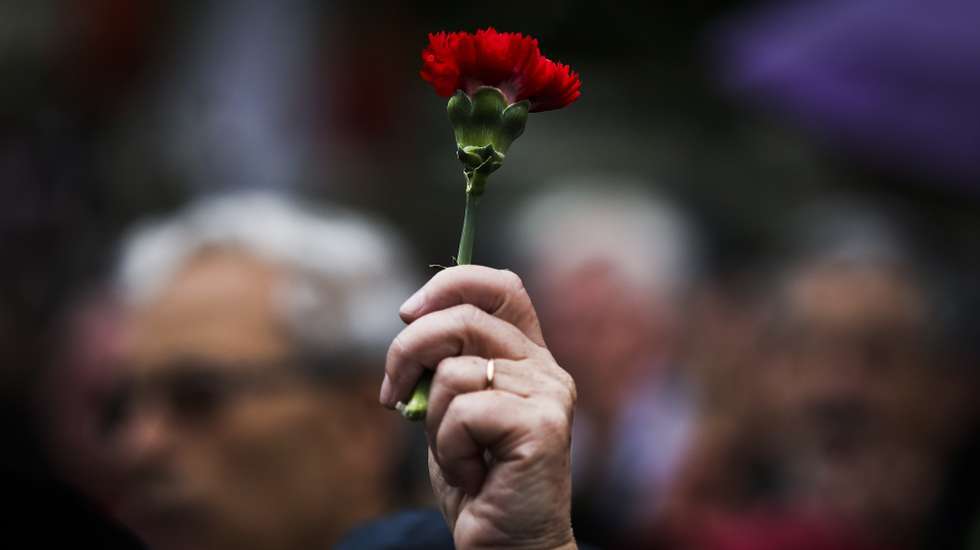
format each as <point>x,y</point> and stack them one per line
<point>498,449</point>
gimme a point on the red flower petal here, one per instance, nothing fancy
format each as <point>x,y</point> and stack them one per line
<point>511,62</point>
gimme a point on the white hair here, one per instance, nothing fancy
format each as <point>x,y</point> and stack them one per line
<point>347,273</point>
<point>614,219</point>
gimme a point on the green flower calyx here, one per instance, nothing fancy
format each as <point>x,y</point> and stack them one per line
<point>484,126</point>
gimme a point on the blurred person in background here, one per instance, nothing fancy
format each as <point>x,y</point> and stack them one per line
<point>856,367</point>
<point>609,264</point>
<point>244,414</point>
<point>87,350</point>
<point>86,346</point>
<point>843,424</point>
<point>846,412</point>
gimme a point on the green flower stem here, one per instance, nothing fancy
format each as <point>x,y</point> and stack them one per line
<point>418,404</point>
<point>465,254</point>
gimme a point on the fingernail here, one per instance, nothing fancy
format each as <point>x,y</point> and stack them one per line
<point>413,304</point>
<point>385,396</point>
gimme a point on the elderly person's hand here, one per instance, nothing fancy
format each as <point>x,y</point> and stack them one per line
<point>498,444</point>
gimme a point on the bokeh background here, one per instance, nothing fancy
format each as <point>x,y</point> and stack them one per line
<point>834,144</point>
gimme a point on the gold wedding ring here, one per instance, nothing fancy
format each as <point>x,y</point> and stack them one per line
<point>490,371</point>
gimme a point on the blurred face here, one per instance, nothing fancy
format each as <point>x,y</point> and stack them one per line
<point>848,382</point>
<point>846,335</point>
<point>221,443</point>
<point>602,329</point>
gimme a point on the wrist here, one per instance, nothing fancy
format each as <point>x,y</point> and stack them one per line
<point>563,539</point>
<point>565,542</point>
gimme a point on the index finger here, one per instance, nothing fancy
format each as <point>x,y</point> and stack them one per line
<point>499,292</point>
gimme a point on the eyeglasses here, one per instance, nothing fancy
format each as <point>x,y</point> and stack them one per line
<point>192,392</point>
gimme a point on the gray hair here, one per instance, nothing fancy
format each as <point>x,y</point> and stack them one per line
<point>610,218</point>
<point>844,230</point>
<point>347,273</point>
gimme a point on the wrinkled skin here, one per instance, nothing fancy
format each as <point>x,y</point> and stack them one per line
<point>498,456</point>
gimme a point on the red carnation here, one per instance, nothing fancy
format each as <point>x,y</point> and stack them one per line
<point>508,61</point>
<point>493,79</point>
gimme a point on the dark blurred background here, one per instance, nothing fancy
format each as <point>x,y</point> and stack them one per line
<point>781,130</point>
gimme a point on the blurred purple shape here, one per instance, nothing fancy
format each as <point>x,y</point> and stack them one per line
<point>894,81</point>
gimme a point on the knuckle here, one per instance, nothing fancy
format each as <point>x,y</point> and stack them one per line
<point>565,385</point>
<point>447,372</point>
<point>569,383</point>
<point>442,275</point>
<point>513,282</point>
<point>457,408</point>
<point>445,365</point>
<point>552,428</point>
<point>552,419</point>
<point>467,314</point>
